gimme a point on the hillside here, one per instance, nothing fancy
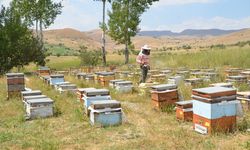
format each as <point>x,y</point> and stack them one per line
<point>74,39</point>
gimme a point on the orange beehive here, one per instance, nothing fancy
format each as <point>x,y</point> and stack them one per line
<point>184,110</point>
<point>184,114</point>
<point>208,126</point>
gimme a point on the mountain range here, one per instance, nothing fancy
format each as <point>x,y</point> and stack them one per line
<point>73,39</point>
<point>188,32</point>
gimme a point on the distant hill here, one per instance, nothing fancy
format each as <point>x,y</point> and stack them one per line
<point>73,39</point>
<point>188,32</point>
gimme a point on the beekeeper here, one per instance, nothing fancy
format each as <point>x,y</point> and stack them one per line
<point>143,60</point>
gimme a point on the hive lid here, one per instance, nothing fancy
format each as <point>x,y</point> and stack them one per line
<point>68,85</point>
<point>105,73</point>
<point>187,102</point>
<point>245,94</point>
<point>31,92</point>
<point>237,77</point>
<point>123,83</point>
<point>42,100</point>
<point>222,84</point>
<point>43,68</point>
<point>56,75</point>
<point>94,92</point>
<point>85,89</point>
<point>81,74</point>
<point>62,83</point>
<point>114,81</point>
<point>14,75</point>
<point>105,104</point>
<point>34,97</point>
<point>164,87</point>
<point>213,92</point>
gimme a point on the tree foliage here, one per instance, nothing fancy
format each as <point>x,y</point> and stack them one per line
<point>124,20</point>
<point>89,57</point>
<point>41,12</point>
<point>18,46</point>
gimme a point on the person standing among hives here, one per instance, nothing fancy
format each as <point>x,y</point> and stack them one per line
<point>143,60</point>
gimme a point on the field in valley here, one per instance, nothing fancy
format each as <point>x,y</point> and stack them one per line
<point>143,128</point>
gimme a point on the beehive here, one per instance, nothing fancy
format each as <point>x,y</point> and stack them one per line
<point>214,109</point>
<point>164,95</point>
<point>106,113</point>
<point>184,110</point>
<point>183,74</point>
<point>15,84</point>
<point>89,77</point>
<point>175,80</point>
<point>153,72</point>
<point>30,93</point>
<point>237,79</point>
<point>227,85</point>
<point>57,85</point>
<point>80,93</point>
<point>112,82</point>
<point>158,78</point>
<point>194,81</point>
<point>81,75</point>
<point>43,71</point>
<point>246,73</point>
<point>39,108</point>
<point>124,86</point>
<point>92,95</point>
<point>123,74</point>
<point>233,71</point>
<point>57,78</point>
<point>166,72</point>
<point>244,98</point>
<point>67,88</point>
<point>197,74</point>
<point>105,77</point>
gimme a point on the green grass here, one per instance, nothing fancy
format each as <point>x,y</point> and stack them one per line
<point>60,50</point>
<point>231,56</point>
<point>144,127</point>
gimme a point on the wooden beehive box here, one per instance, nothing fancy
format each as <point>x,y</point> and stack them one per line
<point>30,93</point>
<point>214,109</point>
<point>56,78</point>
<point>158,78</point>
<point>184,110</point>
<point>233,71</point>
<point>80,93</point>
<point>244,98</point>
<point>112,82</point>
<point>39,108</point>
<point>237,79</point>
<point>194,81</point>
<point>106,113</point>
<point>164,95</point>
<point>227,85</point>
<point>43,71</point>
<point>124,86</point>
<point>175,80</point>
<point>81,75</point>
<point>15,84</point>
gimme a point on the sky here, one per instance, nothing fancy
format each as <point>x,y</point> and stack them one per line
<point>174,15</point>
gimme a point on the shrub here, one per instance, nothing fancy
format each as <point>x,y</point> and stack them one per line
<point>89,57</point>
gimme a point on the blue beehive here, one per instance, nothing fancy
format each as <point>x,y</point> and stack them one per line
<point>56,79</point>
<point>92,95</point>
<point>106,113</point>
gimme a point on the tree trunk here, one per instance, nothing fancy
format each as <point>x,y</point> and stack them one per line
<point>37,34</point>
<point>126,53</point>
<point>41,34</point>
<point>103,34</point>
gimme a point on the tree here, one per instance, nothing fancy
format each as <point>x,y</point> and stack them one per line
<point>104,29</point>
<point>18,46</point>
<point>89,57</point>
<point>124,20</point>
<point>42,12</point>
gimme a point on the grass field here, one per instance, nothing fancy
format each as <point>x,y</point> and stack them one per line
<point>144,127</point>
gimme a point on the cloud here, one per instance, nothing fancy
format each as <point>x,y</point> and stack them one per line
<point>180,2</point>
<point>202,23</point>
<point>5,2</point>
